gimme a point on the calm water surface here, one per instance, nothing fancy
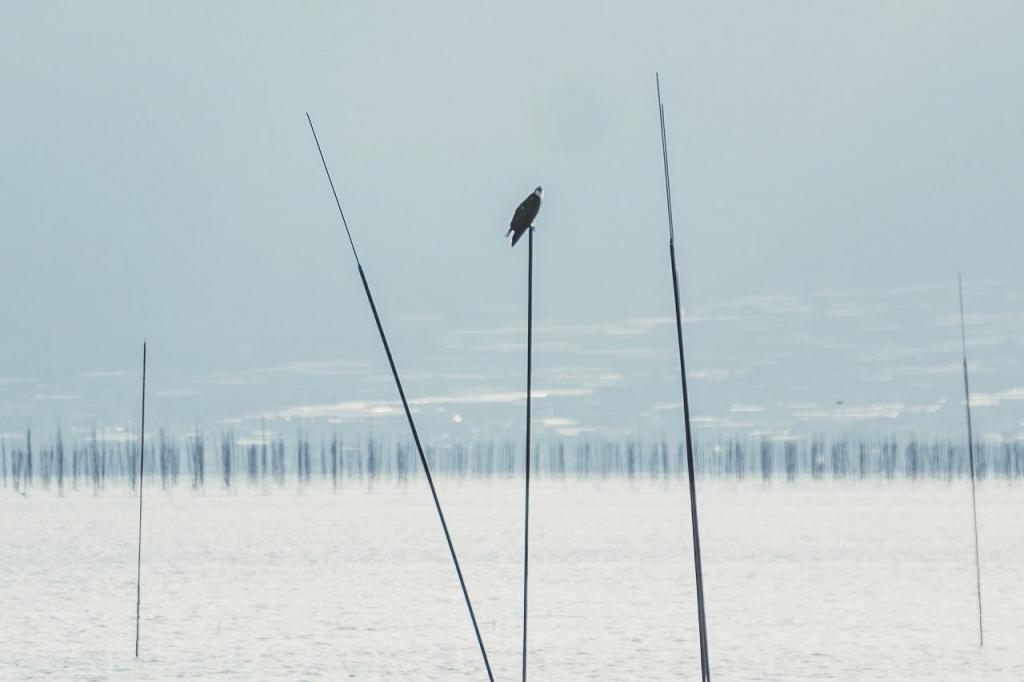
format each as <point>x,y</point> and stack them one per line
<point>804,581</point>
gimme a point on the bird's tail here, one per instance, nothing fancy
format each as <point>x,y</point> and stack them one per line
<point>517,235</point>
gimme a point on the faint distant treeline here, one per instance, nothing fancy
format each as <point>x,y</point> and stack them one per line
<point>227,462</point>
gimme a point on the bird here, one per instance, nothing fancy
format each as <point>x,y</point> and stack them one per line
<point>523,218</point>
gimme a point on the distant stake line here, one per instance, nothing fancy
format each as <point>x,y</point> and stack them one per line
<point>99,461</point>
<point>405,404</point>
<point>970,453</point>
<point>705,666</point>
<point>142,468</point>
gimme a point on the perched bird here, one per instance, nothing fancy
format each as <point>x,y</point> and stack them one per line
<point>523,219</point>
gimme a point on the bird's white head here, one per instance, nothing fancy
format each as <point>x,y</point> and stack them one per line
<point>539,191</point>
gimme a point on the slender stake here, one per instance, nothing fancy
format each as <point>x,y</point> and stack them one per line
<point>405,404</point>
<point>970,453</point>
<point>705,665</point>
<point>142,469</point>
<point>529,388</point>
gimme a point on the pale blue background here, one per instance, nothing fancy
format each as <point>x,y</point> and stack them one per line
<point>158,179</point>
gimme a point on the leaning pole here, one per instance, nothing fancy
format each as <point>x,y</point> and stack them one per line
<point>705,666</point>
<point>405,404</point>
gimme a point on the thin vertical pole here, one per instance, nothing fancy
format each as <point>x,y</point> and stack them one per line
<point>970,453</point>
<point>705,665</point>
<point>529,389</point>
<point>142,469</point>
<point>405,405</point>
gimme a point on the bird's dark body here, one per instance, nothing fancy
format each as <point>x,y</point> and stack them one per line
<point>524,216</point>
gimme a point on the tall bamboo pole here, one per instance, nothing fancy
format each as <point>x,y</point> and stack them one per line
<point>970,453</point>
<point>705,667</point>
<point>142,470</point>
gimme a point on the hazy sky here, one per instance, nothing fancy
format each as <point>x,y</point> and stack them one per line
<point>158,179</point>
